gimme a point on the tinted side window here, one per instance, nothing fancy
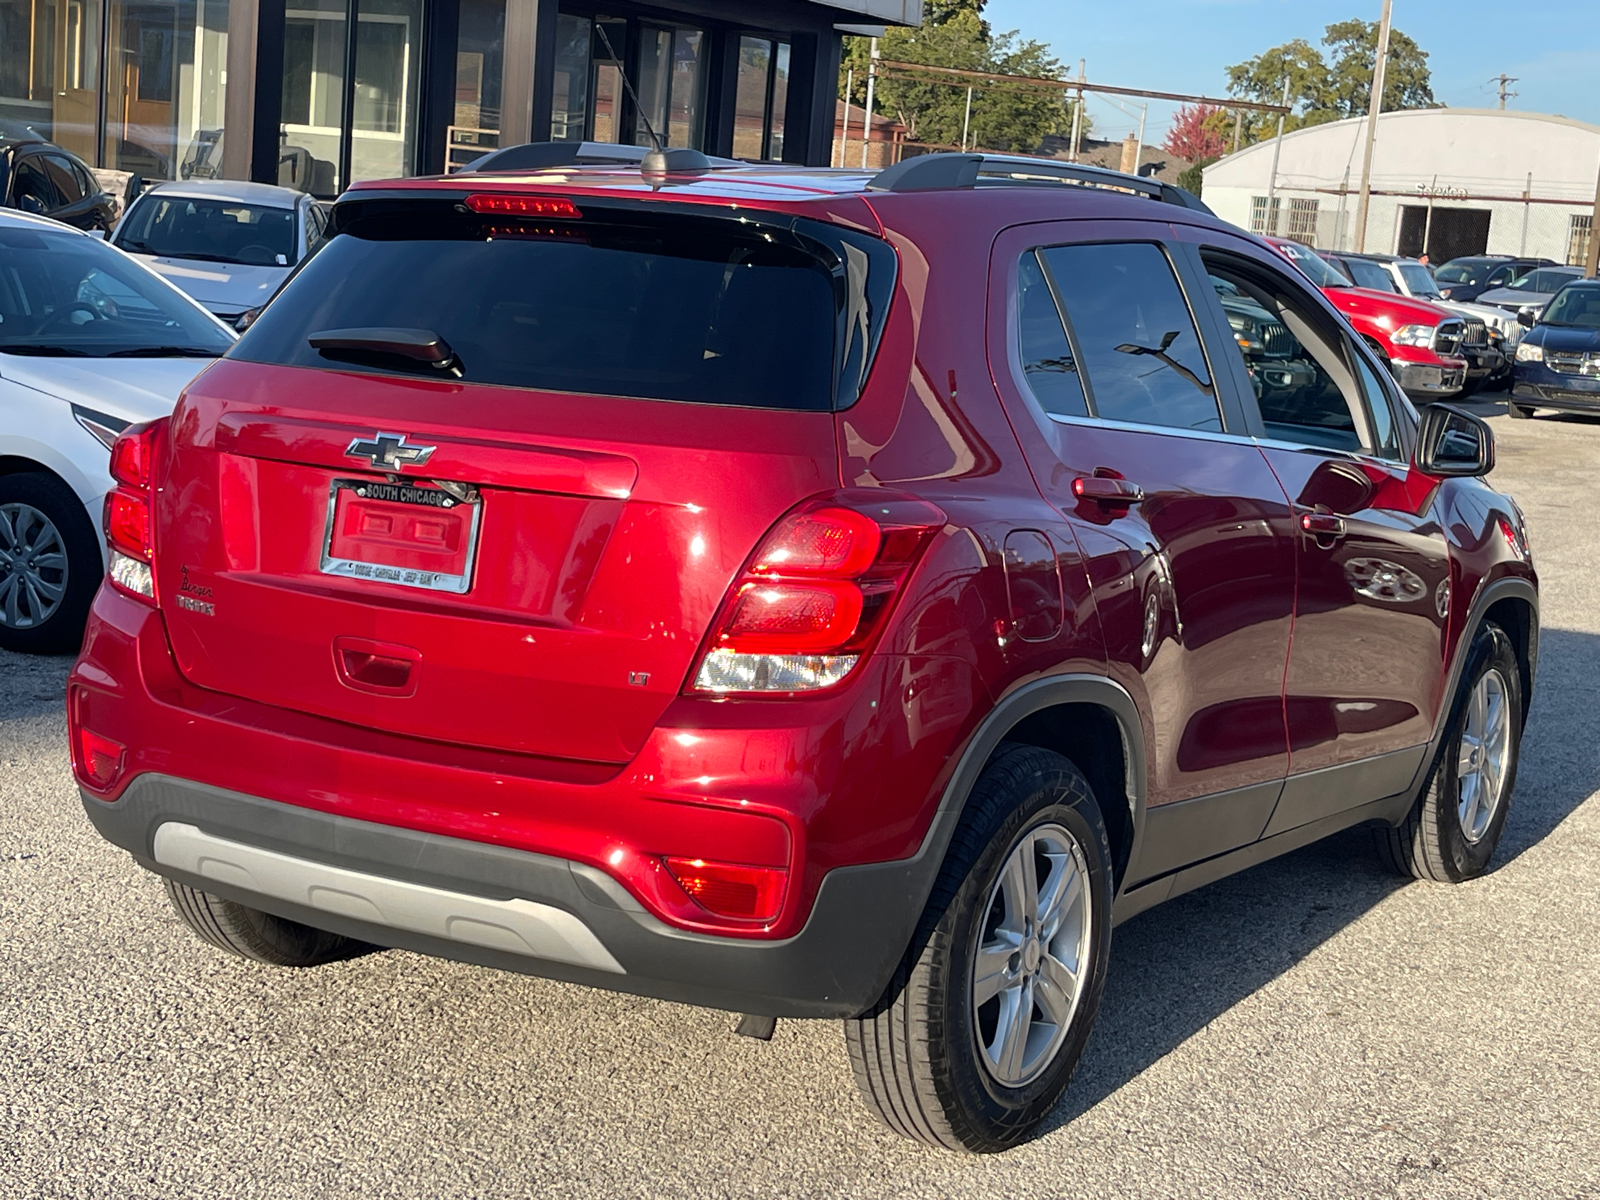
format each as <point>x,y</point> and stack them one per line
<point>1297,364</point>
<point>61,174</point>
<point>30,190</point>
<point>1385,432</point>
<point>1369,275</point>
<point>1135,336</point>
<point>1047,358</point>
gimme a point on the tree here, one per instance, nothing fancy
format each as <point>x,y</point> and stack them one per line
<point>954,34</point>
<point>1318,92</point>
<point>1198,131</point>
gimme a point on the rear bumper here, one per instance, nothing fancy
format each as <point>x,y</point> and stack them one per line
<point>510,909</point>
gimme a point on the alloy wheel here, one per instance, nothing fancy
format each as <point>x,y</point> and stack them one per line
<point>1033,955</point>
<point>1483,756</point>
<point>33,567</point>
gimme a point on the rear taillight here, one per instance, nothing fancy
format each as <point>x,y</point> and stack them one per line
<point>130,516</point>
<point>730,890</point>
<point>816,594</point>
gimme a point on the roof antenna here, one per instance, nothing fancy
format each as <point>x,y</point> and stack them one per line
<point>660,161</point>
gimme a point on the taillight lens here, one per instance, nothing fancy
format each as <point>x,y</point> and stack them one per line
<point>816,594</point>
<point>129,511</point>
<point>731,890</point>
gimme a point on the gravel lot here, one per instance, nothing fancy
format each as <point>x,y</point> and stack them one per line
<point>1313,1027</point>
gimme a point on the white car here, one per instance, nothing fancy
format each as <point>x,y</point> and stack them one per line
<point>228,244</point>
<point>91,341</point>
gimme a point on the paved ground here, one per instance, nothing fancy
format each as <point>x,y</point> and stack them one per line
<point>1311,1028</point>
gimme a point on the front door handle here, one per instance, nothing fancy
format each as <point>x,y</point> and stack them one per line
<point>1107,490</point>
<point>1325,527</point>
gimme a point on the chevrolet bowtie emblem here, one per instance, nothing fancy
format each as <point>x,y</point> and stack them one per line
<point>389,451</point>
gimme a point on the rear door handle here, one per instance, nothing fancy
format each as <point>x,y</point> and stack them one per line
<point>1106,490</point>
<point>1323,526</point>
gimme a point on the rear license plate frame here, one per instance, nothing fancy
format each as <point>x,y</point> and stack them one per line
<point>414,494</point>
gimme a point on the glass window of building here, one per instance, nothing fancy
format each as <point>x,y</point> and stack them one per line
<point>50,71</point>
<point>320,150</point>
<point>480,60</point>
<point>166,64</point>
<point>589,100</point>
<point>760,98</point>
<point>671,85</point>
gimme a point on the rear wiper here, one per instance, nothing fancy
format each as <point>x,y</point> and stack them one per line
<point>167,352</point>
<point>43,350</point>
<point>417,349</point>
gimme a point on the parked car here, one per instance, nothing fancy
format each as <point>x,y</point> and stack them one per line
<point>90,342</point>
<point>497,599</point>
<point>1420,342</point>
<point>1490,334</point>
<point>228,244</point>
<point>1533,291</point>
<point>1558,362</point>
<point>1466,279</point>
<point>44,180</point>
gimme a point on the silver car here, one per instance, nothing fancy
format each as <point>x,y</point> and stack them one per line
<point>1533,291</point>
<point>227,244</point>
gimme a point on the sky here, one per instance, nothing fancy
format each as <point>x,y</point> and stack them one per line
<point>1552,46</point>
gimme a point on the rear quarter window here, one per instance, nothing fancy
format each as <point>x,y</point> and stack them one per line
<point>631,302</point>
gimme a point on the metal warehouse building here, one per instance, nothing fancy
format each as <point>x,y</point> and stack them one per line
<point>1454,181</point>
<point>315,94</point>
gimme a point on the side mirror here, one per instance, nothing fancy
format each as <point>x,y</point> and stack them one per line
<point>1525,318</point>
<point>1453,442</point>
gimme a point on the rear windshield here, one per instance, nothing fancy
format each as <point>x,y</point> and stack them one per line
<point>617,301</point>
<point>1467,270</point>
<point>1545,281</point>
<point>210,230</point>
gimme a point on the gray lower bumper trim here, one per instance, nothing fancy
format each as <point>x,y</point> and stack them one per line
<point>512,926</point>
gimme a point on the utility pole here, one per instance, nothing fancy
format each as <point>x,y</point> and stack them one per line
<point>872,79</point>
<point>1527,203</point>
<point>1077,113</point>
<point>1139,159</point>
<point>1277,151</point>
<point>1427,227</point>
<point>966,120</point>
<point>1504,80</point>
<point>844,133</point>
<point>1238,128</point>
<point>1379,66</point>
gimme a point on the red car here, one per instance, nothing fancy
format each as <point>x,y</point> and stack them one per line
<point>802,593</point>
<point>1421,342</point>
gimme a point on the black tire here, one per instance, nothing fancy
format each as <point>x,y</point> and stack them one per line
<point>1431,843</point>
<point>1519,412</point>
<point>916,1055</point>
<point>61,630</point>
<point>256,935</point>
<point>1472,388</point>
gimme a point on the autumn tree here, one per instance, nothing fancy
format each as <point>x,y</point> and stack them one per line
<point>954,34</point>
<point>1198,131</point>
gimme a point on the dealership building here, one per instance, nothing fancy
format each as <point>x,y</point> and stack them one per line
<point>316,94</point>
<point>1449,180</point>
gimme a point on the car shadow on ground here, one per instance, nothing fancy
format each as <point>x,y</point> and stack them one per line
<point>1180,966</point>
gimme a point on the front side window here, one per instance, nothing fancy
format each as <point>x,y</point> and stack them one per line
<point>68,186</point>
<point>1370,275</point>
<point>1418,280</point>
<point>1300,369</point>
<point>31,190</point>
<point>1136,340</point>
<point>63,295</point>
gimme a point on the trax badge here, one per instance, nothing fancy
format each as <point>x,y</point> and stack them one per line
<point>389,450</point>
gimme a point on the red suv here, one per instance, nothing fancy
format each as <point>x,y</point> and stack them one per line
<point>796,592</point>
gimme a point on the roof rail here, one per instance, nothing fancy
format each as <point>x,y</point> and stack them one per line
<point>937,172</point>
<point>537,156</point>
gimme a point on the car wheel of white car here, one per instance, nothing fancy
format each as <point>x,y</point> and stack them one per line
<point>50,564</point>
